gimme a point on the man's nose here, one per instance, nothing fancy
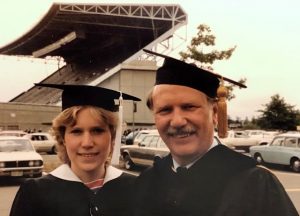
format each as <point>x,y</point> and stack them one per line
<point>178,118</point>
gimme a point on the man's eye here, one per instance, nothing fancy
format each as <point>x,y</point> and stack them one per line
<point>189,107</point>
<point>163,111</point>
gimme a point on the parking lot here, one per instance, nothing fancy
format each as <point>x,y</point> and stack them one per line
<point>9,187</point>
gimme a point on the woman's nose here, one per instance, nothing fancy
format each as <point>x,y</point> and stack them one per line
<point>87,140</point>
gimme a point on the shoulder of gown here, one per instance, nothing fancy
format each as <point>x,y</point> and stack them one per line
<point>255,191</point>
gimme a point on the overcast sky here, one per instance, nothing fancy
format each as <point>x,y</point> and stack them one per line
<point>266,34</point>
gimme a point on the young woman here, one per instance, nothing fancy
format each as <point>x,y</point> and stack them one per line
<point>85,184</point>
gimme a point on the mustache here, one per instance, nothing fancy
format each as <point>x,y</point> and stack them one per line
<point>179,131</point>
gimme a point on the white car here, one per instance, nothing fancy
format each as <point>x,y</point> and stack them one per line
<point>239,140</point>
<point>18,133</point>
<point>255,133</point>
<point>18,158</point>
<point>42,142</point>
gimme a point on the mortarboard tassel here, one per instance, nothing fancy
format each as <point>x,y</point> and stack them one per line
<point>116,151</point>
<point>222,94</point>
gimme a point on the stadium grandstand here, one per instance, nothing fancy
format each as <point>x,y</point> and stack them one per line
<point>97,43</point>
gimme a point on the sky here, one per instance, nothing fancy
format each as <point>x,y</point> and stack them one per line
<point>266,34</point>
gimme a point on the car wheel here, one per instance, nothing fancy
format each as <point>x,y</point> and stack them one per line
<point>54,150</point>
<point>295,165</point>
<point>258,158</point>
<point>156,159</point>
<point>128,164</point>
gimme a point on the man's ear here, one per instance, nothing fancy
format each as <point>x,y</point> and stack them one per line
<point>215,114</point>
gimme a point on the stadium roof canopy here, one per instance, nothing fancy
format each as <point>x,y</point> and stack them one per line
<point>80,32</point>
<point>93,39</point>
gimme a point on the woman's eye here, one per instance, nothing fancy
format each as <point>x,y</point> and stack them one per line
<point>76,131</point>
<point>97,130</point>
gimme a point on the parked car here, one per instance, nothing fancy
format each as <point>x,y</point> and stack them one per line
<point>128,139</point>
<point>268,136</point>
<point>17,133</point>
<point>145,152</point>
<point>255,133</point>
<point>18,158</point>
<point>42,142</point>
<point>148,150</point>
<point>136,136</point>
<point>240,140</point>
<point>284,150</point>
<point>142,133</point>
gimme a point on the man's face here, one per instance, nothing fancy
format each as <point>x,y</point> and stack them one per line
<point>185,120</point>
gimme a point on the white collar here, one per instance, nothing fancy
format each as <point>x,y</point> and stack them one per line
<point>176,165</point>
<point>65,172</point>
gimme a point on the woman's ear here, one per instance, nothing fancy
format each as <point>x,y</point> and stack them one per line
<point>112,145</point>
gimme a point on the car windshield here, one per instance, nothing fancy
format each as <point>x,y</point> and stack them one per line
<point>14,145</point>
<point>132,134</point>
<point>141,136</point>
<point>278,141</point>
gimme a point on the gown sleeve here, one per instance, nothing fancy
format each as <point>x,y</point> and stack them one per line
<point>24,200</point>
<point>256,192</point>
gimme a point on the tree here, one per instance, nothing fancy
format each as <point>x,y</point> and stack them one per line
<point>199,53</point>
<point>278,115</point>
<point>248,125</point>
<point>298,119</point>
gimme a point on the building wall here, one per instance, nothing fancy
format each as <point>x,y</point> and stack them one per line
<point>136,78</point>
<point>20,116</point>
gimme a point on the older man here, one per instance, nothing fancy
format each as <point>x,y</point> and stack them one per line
<point>200,176</point>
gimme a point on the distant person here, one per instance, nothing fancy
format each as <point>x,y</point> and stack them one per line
<point>200,176</point>
<point>85,184</point>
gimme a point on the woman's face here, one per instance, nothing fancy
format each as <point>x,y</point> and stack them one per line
<point>88,144</point>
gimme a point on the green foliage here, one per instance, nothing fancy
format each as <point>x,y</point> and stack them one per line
<point>250,125</point>
<point>205,39</point>
<point>298,119</point>
<point>200,53</point>
<point>278,115</point>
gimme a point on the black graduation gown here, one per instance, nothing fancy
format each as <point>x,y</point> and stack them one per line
<point>62,196</point>
<point>221,183</point>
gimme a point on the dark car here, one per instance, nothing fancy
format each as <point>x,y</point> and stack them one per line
<point>129,138</point>
<point>145,152</point>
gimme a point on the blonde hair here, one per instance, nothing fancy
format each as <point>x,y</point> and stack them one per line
<point>68,117</point>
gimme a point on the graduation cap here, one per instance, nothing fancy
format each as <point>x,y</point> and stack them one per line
<point>76,95</point>
<point>177,72</point>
